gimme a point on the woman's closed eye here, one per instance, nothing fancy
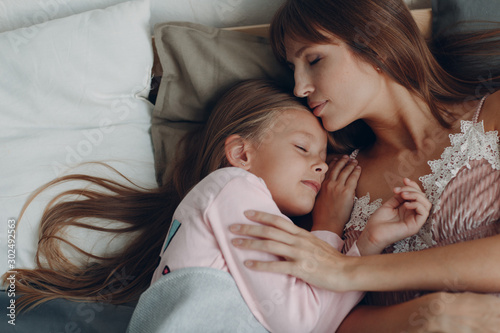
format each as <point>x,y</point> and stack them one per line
<point>315,61</point>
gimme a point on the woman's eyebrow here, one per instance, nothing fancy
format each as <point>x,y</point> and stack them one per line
<point>299,53</point>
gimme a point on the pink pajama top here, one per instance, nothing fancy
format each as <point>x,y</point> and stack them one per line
<point>199,237</point>
<point>464,188</point>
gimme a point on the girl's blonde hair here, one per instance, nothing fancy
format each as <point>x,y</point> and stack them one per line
<point>247,109</point>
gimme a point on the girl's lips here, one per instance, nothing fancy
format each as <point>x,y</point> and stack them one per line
<point>312,184</point>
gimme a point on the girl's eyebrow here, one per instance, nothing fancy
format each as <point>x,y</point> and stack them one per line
<point>305,133</point>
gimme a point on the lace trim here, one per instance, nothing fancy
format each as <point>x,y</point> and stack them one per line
<point>361,211</point>
<point>471,144</point>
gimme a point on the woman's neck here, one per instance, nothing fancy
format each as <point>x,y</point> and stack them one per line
<point>404,122</point>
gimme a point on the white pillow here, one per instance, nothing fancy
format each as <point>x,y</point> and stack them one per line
<point>15,14</point>
<point>75,92</point>
<point>217,13</point>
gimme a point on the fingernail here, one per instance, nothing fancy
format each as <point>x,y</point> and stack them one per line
<point>249,263</point>
<point>249,213</point>
<point>235,227</point>
<point>237,241</point>
<point>397,189</point>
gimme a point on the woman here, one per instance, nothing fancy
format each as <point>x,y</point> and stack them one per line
<point>368,74</point>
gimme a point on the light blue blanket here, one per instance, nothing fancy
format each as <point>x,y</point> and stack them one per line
<point>193,300</point>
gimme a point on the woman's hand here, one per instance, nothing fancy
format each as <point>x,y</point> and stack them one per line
<point>306,256</point>
<point>334,202</point>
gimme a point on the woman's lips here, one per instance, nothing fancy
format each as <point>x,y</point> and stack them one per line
<point>317,107</point>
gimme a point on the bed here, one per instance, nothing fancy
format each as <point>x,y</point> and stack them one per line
<point>109,81</point>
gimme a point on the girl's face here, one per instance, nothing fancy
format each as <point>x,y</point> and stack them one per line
<point>291,160</point>
<point>340,88</point>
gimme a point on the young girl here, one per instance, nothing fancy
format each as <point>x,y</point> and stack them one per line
<point>271,152</point>
<point>261,149</point>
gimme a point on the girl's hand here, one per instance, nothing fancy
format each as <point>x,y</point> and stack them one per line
<point>306,256</point>
<point>401,216</point>
<point>334,202</point>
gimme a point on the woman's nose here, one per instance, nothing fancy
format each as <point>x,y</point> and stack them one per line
<point>303,87</point>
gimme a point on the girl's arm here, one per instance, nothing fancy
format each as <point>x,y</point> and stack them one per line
<point>282,303</point>
<point>471,265</point>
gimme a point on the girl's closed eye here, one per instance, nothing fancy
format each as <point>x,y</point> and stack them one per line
<point>301,147</point>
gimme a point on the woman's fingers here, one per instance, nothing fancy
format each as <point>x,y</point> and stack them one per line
<point>269,246</point>
<point>262,231</point>
<point>281,267</point>
<point>272,220</point>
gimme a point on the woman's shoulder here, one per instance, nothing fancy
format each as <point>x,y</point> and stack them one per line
<point>490,113</point>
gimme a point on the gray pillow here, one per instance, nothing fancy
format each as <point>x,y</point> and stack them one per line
<point>199,64</point>
<point>449,16</point>
<point>455,21</point>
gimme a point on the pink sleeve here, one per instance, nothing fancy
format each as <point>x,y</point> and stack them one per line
<point>334,240</point>
<point>282,303</point>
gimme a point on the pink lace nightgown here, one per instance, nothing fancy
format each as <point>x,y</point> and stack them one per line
<point>464,188</point>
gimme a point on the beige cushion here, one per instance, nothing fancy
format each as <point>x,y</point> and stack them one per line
<point>200,63</point>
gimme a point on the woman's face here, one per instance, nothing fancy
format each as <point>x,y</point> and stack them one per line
<point>340,88</point>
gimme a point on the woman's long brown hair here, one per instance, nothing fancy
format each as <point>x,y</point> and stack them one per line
<point>384,34</point>
<point>248,109</point>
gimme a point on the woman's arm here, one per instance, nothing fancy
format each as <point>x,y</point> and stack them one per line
<point>438,312</point>
<point>470,266</point>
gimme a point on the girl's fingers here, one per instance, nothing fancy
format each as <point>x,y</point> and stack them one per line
<point>417,196</point>
<point>337,167</point>
<point>411,183</point>
<point>418,208</point>
<point>352,180</point>
<point>346,171</point>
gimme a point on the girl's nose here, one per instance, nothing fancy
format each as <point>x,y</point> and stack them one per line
<point>321,167</point>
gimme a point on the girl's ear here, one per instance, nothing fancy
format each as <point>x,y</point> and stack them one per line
<point>238,151</point>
